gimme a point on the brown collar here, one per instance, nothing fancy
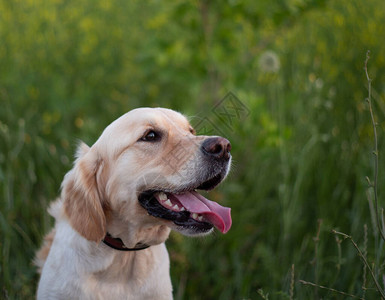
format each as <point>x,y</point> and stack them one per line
<point>118,244</point>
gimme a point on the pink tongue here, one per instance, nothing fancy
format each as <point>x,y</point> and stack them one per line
<point>216,214</point>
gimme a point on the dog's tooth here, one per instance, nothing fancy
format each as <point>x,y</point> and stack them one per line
<point>168,202</point>
<point>162,196</point>
<point>182,209</point>
<point>176,207</point>
<point>200,218</point>
<point>194,216</point>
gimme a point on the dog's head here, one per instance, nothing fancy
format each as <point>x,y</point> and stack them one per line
<point>144,171</point>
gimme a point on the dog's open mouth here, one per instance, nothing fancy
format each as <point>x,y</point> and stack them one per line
<point>189,210</point>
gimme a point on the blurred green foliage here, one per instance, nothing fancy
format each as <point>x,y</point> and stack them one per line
<point>301,154</point>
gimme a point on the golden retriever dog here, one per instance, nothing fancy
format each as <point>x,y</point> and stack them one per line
<point>120,201</point>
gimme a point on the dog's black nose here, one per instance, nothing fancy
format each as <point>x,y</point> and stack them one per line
<point>217,147</point>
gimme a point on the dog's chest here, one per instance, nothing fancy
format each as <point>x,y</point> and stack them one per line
<point>145,277</point>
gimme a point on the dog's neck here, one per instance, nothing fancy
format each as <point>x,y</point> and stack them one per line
<point>117,244</point>
<point>134,234</point>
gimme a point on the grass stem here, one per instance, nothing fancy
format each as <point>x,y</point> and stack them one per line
<point>375,151</point>
<point>329,289</point>
<point>362,256</point>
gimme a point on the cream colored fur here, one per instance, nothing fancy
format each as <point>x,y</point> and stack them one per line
<point>100,194</point>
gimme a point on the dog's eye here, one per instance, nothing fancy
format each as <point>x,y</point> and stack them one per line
<point>192,131</point>
<point>150,136</point>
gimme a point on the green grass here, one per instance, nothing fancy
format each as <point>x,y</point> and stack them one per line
<point>301,155</point>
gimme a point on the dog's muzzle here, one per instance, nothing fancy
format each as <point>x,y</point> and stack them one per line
<point>190,211</point>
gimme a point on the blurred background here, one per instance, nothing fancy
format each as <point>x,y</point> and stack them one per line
<point>283,80</point>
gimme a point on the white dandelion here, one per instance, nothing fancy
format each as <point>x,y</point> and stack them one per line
<point>269,62</point>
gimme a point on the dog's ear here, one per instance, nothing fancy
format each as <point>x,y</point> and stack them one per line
<point>82,202</point>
